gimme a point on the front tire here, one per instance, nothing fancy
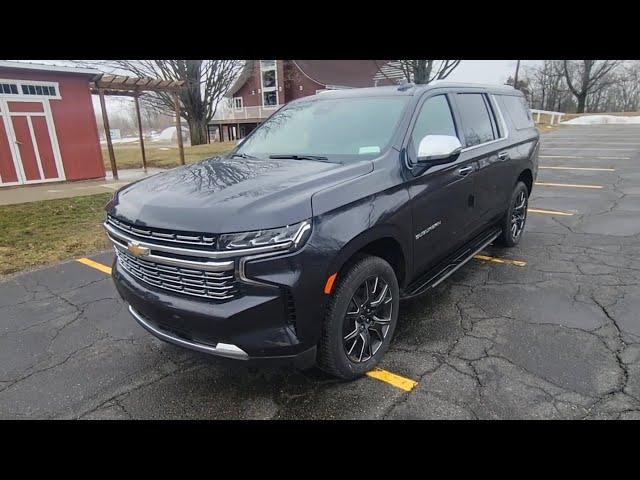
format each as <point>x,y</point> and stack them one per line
<point>361,318</point>
<point>516,217</point>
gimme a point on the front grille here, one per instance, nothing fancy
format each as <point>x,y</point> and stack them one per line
<point>169,236</point>
<point>199,283</point>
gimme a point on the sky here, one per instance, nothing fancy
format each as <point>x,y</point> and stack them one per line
<point>484,71</point>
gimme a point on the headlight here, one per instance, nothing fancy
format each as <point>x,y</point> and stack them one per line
<point>295,235</point>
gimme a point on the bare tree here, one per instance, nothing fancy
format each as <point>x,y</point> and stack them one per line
<point>423,71</point>
<point>547,87</point>
<point>628,91</point>
<point>586,77</point>
<point>205,83</point>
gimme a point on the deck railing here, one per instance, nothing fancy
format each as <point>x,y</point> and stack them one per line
<point>553,115</point>
<point>260,112</point>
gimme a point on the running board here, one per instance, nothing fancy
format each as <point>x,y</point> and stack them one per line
<point>437,275</point>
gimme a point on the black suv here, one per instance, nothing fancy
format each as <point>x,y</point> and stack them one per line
<point>300,243</point>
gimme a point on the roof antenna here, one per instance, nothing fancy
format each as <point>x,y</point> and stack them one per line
<point>406,86</point>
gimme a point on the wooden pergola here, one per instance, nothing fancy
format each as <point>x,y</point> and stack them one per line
<point>124,86</point>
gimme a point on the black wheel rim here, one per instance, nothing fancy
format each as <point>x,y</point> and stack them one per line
<point>367,320</point>
<point>519,215</point>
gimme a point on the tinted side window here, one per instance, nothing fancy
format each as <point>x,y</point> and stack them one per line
<point>476,121</point>
<point>517,110</point>
<point>435,118</point>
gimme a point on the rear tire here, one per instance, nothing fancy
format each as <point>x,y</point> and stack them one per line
<point>361,318</point>
<point>516,217</point>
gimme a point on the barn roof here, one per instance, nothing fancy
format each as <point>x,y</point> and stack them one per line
<point>91,72</point>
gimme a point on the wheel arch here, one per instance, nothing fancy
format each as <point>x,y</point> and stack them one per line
<point>526,176</point>
<point>384,242</point>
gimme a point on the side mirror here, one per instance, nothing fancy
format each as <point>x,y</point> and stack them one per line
<point>438,149</point>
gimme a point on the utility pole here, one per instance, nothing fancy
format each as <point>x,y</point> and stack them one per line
<point>515,77</point>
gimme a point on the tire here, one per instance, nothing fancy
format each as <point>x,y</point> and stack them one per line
<point>338,355</point>
<point>516,217</point>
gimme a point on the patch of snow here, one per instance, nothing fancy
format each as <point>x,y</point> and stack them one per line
<point>121,140</point>
<point>169,134</point>
<point>602,120</point>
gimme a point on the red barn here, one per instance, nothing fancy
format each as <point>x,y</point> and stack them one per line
<point>48,130</point>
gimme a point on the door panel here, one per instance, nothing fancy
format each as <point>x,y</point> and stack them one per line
<point>8,172</point>
<point>26,148</point>
<point>45,149</point>
<point>484,133</point>
<point>441,211</point>
<point>489,182</point>
<point>440,195</point>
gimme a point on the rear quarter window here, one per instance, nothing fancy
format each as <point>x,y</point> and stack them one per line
<point>517,110</point>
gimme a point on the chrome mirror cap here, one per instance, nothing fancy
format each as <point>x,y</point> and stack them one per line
<point>438,147</point>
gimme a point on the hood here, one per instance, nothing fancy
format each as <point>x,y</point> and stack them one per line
<point>222,195</point>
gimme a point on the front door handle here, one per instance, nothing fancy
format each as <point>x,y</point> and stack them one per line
<point>465,171</point>
<point>503,155</point>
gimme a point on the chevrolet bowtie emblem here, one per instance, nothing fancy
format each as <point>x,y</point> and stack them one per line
<point>135,248</point>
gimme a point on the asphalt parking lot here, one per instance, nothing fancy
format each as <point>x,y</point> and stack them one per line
<point>553,335</point>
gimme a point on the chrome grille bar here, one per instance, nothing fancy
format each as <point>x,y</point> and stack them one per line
<point>189,282</point>
<point>204,239</point>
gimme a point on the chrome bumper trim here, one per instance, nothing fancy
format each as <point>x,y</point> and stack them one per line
<point>221,349</point>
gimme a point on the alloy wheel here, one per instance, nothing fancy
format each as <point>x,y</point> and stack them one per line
<point>368,319</point>
<point>519,215</point>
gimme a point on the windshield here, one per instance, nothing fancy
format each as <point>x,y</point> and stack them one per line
<point>350,128</point>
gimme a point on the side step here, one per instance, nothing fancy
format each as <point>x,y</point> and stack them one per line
<point>439,273</point>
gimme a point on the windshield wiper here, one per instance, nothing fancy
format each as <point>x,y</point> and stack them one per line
<point>301,157</point>
<point>244,155</point>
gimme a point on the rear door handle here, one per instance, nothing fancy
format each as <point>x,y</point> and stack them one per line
<point>465,170</point>
<point>503,155</point>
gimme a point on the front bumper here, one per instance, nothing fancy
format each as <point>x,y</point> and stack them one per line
<point>255,327</point>
<point>220,349</point>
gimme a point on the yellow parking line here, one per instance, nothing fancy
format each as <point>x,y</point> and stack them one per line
<point>397,381</point>
<point>549,212</point>
<point>570,185</point>
<point>580,168</point>
<point>96,265</point>
<point>517,263</point>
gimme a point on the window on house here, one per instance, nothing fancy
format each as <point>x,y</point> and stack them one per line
<point>269,79</point>
<point>266,64</point>
<point>269,98</point>
<point>46,90</point>
<point>237,103</point>
<point>9,88</point>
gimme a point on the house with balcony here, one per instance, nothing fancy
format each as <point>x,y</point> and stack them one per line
<point>263,86</point>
